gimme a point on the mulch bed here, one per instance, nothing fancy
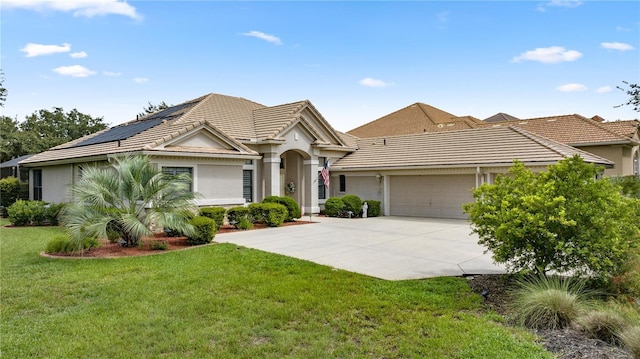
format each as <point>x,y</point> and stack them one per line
<point>566,344</point>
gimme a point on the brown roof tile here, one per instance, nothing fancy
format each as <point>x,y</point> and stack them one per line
<point>459,148</point>
<point>629,128</point>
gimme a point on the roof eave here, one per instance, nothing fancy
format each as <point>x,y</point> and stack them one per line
<point>244,156</point>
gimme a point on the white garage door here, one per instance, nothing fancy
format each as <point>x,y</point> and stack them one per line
<point>431,196</point>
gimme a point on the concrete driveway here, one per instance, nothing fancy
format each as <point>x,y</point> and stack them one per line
<point>392,248</point>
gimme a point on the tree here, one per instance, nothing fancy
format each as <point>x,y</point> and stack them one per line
<point>11,142</point>
<point>151,108</point>
<point>45,129</point>
<point>559,220</point>
<point>3,90</point>
<point>130,195</point>
<point>634,92</point>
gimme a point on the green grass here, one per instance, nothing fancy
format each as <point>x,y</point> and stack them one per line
<point>222,301</point>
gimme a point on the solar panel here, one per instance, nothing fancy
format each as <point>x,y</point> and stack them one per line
<point>121,132</point>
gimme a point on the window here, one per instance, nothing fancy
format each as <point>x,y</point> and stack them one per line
<point>37,185</point>
<point>173,171</point>
<point>247,185</point>
<point>322,190</point>
<point>343,183</point>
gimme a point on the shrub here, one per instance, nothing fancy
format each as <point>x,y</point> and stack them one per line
<point>114,233</point>
<point>629,185</point>
<point>237,214</point>
<point>23,213</point>
<point>204,230</point>
<point>9,193</point>
<point>374,208</point>
<point>20,213</point>
<point>37,212</point>
<point>626,282</point>
<point>631,340</point>
<point>333,206</point>
<point>548,302</point>
<point>606,325</point>
<point>64,244</point>
<point>271,214</point>
<point>244,224</point>
<point>215,213</point>
<point>51,212</point>
<point>292,206</point>
<point>352,203</point>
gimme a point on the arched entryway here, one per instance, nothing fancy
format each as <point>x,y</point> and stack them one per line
<point>298,171</point>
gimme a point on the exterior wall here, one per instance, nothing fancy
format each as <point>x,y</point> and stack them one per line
<point>55,183</point>
<point>620,155</point>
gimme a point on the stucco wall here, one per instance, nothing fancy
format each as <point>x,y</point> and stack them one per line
<point>621,155</point>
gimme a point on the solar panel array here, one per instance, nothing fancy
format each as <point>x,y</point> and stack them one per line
<point>124,131</point>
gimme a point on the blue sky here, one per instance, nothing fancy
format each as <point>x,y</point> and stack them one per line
<point>355,61</point>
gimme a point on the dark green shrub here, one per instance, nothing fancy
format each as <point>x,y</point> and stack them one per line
<point>244,224</point>
<point>333,206</point>
<point>292,206</point>
<point>215,213</point>
<point>51,212</point>
<point>20,213</point>
<point>352,203</point>
<point>237,214</point>
<point>37,212</point>
<point>204,230</point>
<point>64,244</point>
<point>9,193</point>
<point>271,214</point>
<point>374,208</point>
<point>629,185</point>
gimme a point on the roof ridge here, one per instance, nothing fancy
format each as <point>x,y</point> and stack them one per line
<point>601,126</point>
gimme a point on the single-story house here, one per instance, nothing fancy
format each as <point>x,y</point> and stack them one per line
<point>238,151</point>
<point>12,168</point>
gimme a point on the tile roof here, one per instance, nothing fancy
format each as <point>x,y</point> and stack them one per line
<point>415,118</point>
<point>629,128</point>
<point>573,129</point>
<point>233,119</point>
<point>500,117</point>
<point>459,149</point>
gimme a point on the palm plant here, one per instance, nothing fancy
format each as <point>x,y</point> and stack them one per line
<point>130,196</point>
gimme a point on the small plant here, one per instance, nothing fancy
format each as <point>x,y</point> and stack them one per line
<point>606,325</point>
<point>271,214</point>
<point>244,224</point>
<point>237,214</point>
<point>548,302</point>
<point>290,203</point>
<point>51,212</point>
<point>215,213</point>
<point>374,208</point>
<point>113,232</point>
<point>64,244</point>
<point>631,340</point>
<point>333,206</point>
<point>352,203</point>
<point>204,230</point>
<point>158,245</point>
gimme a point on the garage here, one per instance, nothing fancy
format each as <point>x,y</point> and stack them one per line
<point>430,195</point>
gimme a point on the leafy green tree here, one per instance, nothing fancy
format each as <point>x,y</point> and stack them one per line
<point>3,90</point>
<point>45,129</point>
<point>151,108</point>
<point>130,195</point>
<point>633,91</point>
<point>559,220</point>
<point>11,143</point>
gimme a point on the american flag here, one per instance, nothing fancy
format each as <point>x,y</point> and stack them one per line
<point>325,174</point>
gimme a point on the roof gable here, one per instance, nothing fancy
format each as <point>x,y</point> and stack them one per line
<point>501,117</point>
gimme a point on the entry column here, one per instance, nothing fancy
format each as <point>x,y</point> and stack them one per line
<point>311,186</point>
<point>271,163</point>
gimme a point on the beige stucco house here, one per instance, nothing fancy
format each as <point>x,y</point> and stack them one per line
<point>238,151</point>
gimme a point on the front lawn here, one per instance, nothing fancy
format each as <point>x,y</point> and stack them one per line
<point>227,302</point>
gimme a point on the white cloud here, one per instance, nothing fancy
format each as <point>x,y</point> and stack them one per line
<point>78,55</point>
<point>616,46</point>
<point>87,8</point>
<point>604,89</point>
<point>572,88</point>
<point>559,3</point>
<point>33,50</point>
<point>140,80</point>
<point>370,82</point>
<point>549,55</point>
<point>74,71</point>
<point>110,73</point>
<point>263,36</point>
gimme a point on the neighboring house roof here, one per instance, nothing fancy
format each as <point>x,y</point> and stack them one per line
<point>460,149</point>
<point>574,130</point>
<point>629,128</point>
<point>228,123</point>
<point>415,118</point>
<point>500,117</point>
<point>13,162</point>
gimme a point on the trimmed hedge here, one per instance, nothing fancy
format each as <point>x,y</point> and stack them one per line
<point>290,203</point>
<point>215,213</point>
<point>352,203</point>
<point>24,213</point>
<point>204,230</point>
<point>235,215</point>
<point>271,214</point>
<point>333,206</point>
<point>374,208</point>
<point>9,193</point>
